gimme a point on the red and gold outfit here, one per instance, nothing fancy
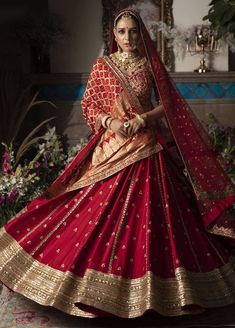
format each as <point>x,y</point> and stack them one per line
<point>122,231</point>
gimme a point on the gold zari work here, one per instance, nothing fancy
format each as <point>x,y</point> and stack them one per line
<point>122,297</point>
<point>126,62</point>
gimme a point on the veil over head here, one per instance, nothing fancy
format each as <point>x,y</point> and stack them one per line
<point>213,188</point>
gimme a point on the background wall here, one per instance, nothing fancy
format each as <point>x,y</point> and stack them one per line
<point>187,13</point>
<point>84,21</point>
<point>14,55</point>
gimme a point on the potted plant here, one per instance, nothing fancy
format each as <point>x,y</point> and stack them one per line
<point>40,33</point>
<point>222,17</point>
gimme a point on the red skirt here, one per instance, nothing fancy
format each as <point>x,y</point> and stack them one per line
<point>129,244</point>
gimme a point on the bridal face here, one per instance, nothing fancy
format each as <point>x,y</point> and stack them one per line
<point>127,34</point>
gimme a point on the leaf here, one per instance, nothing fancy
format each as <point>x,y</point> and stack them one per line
<point>25,148</point>
<point>32,103</point>
<point>19,109</point>
<point>227,17</point>
<point>27,142</point>
<point>231,27</point>
<point>213,2</point>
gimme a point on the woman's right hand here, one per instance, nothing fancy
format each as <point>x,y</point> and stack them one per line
<point>117,126</point>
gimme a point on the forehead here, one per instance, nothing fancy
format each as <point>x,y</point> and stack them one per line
<point>126,23</point>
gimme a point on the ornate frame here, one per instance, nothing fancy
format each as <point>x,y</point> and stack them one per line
<point>164,12</point>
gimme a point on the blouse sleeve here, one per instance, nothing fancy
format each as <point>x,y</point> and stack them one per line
<point>92,102</point>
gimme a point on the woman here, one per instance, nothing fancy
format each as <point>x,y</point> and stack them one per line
<point>122,231</point>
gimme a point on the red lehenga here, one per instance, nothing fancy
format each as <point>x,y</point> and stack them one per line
<point>122,230</point>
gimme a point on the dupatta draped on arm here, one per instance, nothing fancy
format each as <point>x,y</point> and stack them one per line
<point>213,188</point>
<point>107,153</point>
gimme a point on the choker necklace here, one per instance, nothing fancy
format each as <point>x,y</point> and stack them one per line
<point>127,61</point>
<point>127,56</point>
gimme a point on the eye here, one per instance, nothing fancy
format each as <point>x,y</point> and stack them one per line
<point>121,31</point>
<point>134,31</point>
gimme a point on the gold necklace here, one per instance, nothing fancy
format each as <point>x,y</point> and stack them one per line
<point>123,56</point>
<point>127,61</point>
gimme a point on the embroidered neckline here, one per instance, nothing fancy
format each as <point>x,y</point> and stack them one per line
<point>128,63</point>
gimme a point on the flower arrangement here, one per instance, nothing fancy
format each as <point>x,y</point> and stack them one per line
<point>223,138</point>
<point>183,40</point>
<point>20,183</point>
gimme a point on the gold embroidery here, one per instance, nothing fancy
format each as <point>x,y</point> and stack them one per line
<point>112,154</point>
<point>134,101</point>
<point>128,64</point>
<point>182,219</point>
<point>62,221</point>
<point>111,293</point>
<point>111,167</point>
<point>41,222</point>
<point>222,231</point>
<point>157,164</point>
<point>147,240</point>
<point>102,205</point>
<point>121,221</point>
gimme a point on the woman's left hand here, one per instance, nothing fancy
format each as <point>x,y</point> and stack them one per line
<point>134,126</point>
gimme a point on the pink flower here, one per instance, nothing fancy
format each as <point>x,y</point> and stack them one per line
<point>6,167</point>
<point>13,195</point>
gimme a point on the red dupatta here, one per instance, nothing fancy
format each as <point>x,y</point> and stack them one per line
<point>213,188</point>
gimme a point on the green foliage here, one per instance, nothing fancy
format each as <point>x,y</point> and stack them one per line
<point>16,101</point>
<point>19,113</point>
<point>23,181</point>
<point>222,17</point>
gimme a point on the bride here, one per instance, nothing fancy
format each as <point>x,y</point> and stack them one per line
<point>123,230</point>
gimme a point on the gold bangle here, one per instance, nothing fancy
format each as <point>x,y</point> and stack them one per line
<point>109,123</point>
<point>104,120</point>
<point>142,119</point>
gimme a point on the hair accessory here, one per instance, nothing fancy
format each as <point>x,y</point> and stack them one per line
<point>127,14</point>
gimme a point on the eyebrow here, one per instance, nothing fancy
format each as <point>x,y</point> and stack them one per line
<point>123,28</point>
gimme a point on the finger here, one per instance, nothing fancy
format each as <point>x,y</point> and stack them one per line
<point>133,129</point>
<point>122,133</point>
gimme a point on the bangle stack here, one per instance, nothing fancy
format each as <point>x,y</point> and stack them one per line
<point>142,118</point>
<point>106,121</point>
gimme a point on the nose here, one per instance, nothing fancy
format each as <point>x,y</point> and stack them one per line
<point>127,36</point>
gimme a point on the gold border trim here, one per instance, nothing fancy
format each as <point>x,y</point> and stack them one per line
<point>115,168</point>
<point>127,298</point>
<point>121,76</point>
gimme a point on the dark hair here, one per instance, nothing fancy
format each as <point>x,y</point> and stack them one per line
<point>120,15</point>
